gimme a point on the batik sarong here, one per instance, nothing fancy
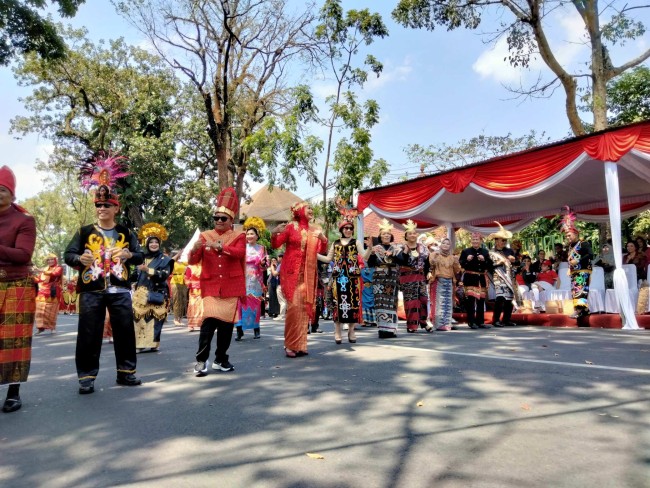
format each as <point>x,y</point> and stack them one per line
<point>385,288</point>
<point>346,297</point>
<point>17,307</point>
<point>47,311</point>
<point>414,289</point>
<point>442,301</point>
<point>580,288</point>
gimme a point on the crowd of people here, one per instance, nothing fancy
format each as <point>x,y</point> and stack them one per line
<point>126,285</point>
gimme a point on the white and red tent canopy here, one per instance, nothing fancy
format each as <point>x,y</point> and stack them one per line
<point>518,188</point>
<point>601,176</point>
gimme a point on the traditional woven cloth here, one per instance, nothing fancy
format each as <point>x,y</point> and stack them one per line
<point>17,306</point>
<point>385,289</point>
<point>47,311</point>
<point>442,301</point>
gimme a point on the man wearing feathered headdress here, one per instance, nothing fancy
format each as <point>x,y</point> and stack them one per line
<point>103,253</point>
<point>503,277</point>
<point>476,263</point>
<point>221,252</point>
<point>579,258</point>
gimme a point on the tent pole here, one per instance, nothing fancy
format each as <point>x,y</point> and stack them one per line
<point>621,286</point>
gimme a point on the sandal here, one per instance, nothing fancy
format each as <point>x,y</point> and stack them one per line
<point>290,354</point>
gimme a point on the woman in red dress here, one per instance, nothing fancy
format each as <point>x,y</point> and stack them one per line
<point>298,274</point>
<point>49,295</point>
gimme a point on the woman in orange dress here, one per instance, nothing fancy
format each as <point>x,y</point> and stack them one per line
<point>298,274</point>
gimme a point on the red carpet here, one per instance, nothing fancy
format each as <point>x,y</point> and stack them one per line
<point>604,321</point>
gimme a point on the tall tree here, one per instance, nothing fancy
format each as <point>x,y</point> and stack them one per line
<point>107,98</point>
<point>59,211</point>
<point>527,35</point>
<point>236,54</point>
<point>349,161</point>
<point>24,30</point>
<point>442,157</point>
<point>629,97</point>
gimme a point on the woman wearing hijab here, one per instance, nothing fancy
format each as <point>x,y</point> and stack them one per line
<point>443,271</point>
<point>151,297</point>
<point>49,295</point>
<point>250,306</point>
<point>298,274</point>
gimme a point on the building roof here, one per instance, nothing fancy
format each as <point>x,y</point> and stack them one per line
<point>272,205</point>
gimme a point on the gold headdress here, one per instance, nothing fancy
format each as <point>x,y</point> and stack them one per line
<point>385,226</point>
<point>255,223</point>
<point>501,234</point>
<point>410,226</point>
<point>152,229</point>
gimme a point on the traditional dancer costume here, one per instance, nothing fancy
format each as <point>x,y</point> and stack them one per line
<point>151,296</point>
<point>413,269</point>
<point>298,274</point>
<point>385,283</point>
<point>104,282</point>
<point>49,295</point>
<point>250,306</point>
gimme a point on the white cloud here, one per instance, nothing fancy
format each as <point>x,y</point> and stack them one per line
<point>566,34</point>
<point>391,74</point>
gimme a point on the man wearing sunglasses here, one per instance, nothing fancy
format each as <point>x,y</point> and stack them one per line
<point>102,253</point>
<point>222,255</point>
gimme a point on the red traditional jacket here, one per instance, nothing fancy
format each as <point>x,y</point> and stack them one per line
<point>222,272</point>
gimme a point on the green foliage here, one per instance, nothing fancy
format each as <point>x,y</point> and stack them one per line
<point>59,211</point>
<point>443,157</point>
<point>115,97</point>
<point>342,35</point>
<point>629,97</point>
<point>280,148</point>
<point>24,30</point>
<point>640,225</point>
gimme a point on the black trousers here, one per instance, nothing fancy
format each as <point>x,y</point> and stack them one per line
<point>475,309</point>
<point>224,336</point>
<point>92,312</point>
<point>501,305</point>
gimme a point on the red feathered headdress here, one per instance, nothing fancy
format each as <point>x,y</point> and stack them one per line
<point>102,174</point>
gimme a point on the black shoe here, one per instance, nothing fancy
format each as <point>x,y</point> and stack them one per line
<point>473,326</point>
<point>511,324</point>
<point>86,387</point>
<point>499,324</point>
<point>257,333</point>
<point>484,326</point>
<point>128,380</point>
<point>12,404</point>
<point>240,333</point>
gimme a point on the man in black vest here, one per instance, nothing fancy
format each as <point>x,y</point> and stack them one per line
<point>102,253</point>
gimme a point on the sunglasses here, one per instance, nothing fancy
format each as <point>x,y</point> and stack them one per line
<point>220,218</point>
<point>348,228</point>
<point>104,205</point>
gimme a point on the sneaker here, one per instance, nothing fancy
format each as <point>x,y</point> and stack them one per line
<point>86,387</point>
<point>225,366</point>
<point>201,368</point>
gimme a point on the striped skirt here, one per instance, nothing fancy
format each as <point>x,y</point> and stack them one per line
<point>17,307</point>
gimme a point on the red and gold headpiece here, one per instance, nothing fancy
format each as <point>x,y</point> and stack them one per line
<point>152,229</point>
<point>567,224</point>
<point>227,202</point>
<point>348,214</point>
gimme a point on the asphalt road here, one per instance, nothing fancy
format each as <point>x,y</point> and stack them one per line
<point>514,407</point>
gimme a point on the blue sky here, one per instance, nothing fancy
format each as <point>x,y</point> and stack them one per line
<point>437,87</point>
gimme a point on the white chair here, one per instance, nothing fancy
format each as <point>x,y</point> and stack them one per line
<point>597,290</point>
<point>611,304</point>
<point>564,291</point>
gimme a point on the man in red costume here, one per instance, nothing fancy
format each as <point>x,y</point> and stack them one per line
<point>298,274</point>
<point>17,291</point>
<point>222,255</point>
